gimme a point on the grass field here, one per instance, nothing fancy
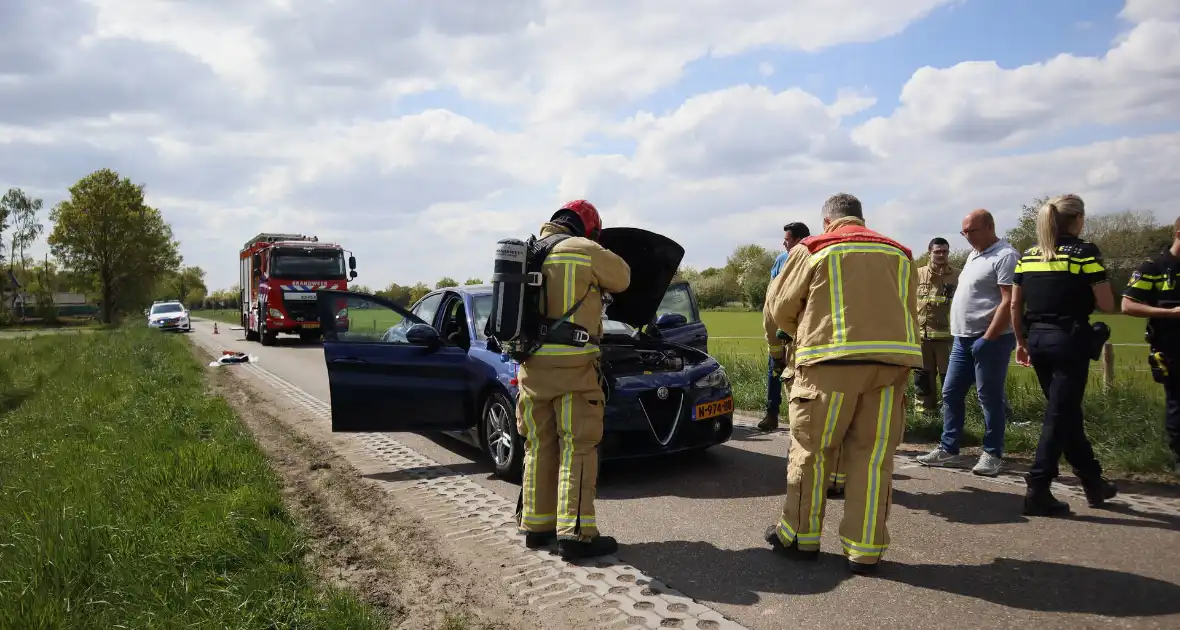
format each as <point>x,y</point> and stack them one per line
<point>133,498</point>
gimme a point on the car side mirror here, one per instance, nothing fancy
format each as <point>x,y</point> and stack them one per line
<point>671,320</point>
<point>352,262</point>
<point>352,274</point>
<point>423,335</point>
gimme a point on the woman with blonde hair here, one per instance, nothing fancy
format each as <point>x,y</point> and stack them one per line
<point>1059,283</point>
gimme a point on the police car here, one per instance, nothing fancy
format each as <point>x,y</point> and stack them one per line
<point>169,315</point>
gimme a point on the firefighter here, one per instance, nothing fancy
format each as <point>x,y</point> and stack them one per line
<point>1153,293</point>
<point>936,287</point>
<point>560,407</point>
<point>1057,285</point>
<point>848,300</point>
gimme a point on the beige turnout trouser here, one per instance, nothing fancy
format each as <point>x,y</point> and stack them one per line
<point>559,415</point>
<point>855,413</point>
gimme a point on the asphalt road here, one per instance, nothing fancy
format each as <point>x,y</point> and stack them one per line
<point>961,555</point>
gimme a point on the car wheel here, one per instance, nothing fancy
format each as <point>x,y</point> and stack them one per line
<point>500,439</point>
<point>267,337</point>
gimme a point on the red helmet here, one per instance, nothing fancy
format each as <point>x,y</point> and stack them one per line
<point>587,213</point>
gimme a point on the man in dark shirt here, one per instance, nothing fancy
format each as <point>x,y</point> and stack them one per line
<point>1153,293</point>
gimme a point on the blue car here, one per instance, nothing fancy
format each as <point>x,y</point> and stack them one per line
<point>428,368</point>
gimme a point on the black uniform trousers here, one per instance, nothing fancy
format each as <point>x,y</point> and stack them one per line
<point>1063,367</point>
<point>1172,404</point>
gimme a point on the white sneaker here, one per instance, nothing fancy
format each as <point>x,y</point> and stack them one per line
<point>989,465</point>
<point>939,457</point>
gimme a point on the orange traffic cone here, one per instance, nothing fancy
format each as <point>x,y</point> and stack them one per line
<point>215,328</point>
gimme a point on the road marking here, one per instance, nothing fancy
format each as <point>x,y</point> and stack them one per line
<point>630,598</point>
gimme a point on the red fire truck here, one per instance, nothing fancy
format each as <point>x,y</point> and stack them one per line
<point>280,274</point>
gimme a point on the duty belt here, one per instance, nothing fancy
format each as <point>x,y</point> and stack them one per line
<point>568,334</point>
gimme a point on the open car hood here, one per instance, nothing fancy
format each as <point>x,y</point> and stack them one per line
<point>654,259</point>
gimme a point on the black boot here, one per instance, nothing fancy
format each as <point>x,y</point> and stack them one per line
<point>537,540</point>
<point>1039,501</point>
<point>769,422</point>
<point>836,492</point>
<point>859,568</point>
<point>793,552</point>
<point>593,548</point>
<point>1098,492</point>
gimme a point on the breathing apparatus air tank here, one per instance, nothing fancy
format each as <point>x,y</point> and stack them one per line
<point>509,278</point>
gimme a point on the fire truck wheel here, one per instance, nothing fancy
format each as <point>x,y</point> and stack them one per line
<point>267,337</point>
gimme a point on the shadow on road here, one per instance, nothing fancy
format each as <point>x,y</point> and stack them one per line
<point>722,472</point>
<point>737,577</point>
<point>977,506</point>
<point>430,472</point>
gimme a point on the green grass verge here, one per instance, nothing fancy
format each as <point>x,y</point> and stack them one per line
<point>1126,425</point>
<point>131,497</point>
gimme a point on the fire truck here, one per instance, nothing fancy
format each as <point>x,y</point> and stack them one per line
<point>280,274</point>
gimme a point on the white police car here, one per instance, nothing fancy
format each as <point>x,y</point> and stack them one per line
<point>169,315</point>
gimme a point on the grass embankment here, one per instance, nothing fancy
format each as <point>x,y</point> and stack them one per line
<point>133,498</point>
<point>1126,424</point>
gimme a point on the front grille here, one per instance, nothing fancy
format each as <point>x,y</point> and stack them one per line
<point>301,311</point>
<point>662,415</point>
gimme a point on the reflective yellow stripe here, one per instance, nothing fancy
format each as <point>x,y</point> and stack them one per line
<point>787,535</point>
<point>838,477</point>
<point>585,520</point>
<point>857,348</point>
<point>565,473</point>
<point>530,482</point>
<point>1142,284</point>
<point>863,549</point>
<point>938,334</point>
<point>561,350</point>
<point>818,469</point>
<point>1069,263</point>
<point>856,248</point>
<point>836,293</point>
<point>876,467</point>
<point>568,259</point>
<point>903,290</point>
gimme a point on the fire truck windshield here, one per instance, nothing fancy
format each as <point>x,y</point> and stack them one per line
<point>304,264</point>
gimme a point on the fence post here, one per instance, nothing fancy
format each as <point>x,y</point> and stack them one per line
<point>1107,365</point>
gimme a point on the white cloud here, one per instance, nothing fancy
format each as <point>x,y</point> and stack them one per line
<point>344,119</point>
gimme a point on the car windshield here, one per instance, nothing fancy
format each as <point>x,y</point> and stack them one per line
<point>167,308</point>
<point>307,264</point>
<point>482,305</point>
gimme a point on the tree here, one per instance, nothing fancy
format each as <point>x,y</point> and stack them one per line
<point>397,294</point>
<point>473,281</point>
<point>446,281</point>
<point>19,212</point>
<point>106,232</point>
<point>361,288</point>
<point>186,285</point>
<point>418,291</point>
<point>750,266</point>
<point>1024,235</point>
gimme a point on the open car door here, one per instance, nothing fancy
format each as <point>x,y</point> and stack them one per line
<point>679,320</point>
<point>389,371</point>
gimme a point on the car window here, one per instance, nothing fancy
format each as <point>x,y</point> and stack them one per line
<point>455,316</point>
<point>167,308</point>
<point>362,320</point>
<point>678,300</point>
<point>426,309</point>
<point>612,327</point>
<point>481,310</point>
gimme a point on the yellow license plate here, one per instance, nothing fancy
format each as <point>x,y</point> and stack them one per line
<point>311,324</point>
<point>704,411</point>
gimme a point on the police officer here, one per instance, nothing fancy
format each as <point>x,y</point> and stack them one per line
<point>1058,284</point>
<point>560,407</point>
<point>936,287</point>
<point>1153,292</point>
<point>847,298</point>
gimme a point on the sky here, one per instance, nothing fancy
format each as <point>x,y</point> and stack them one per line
<point>416,134</point>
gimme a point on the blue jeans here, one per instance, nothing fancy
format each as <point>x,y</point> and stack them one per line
<point>987,369</point>
<point>774,388</point>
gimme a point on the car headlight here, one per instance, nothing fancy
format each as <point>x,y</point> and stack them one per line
<point>276,313</point>
<point>716,378</point>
